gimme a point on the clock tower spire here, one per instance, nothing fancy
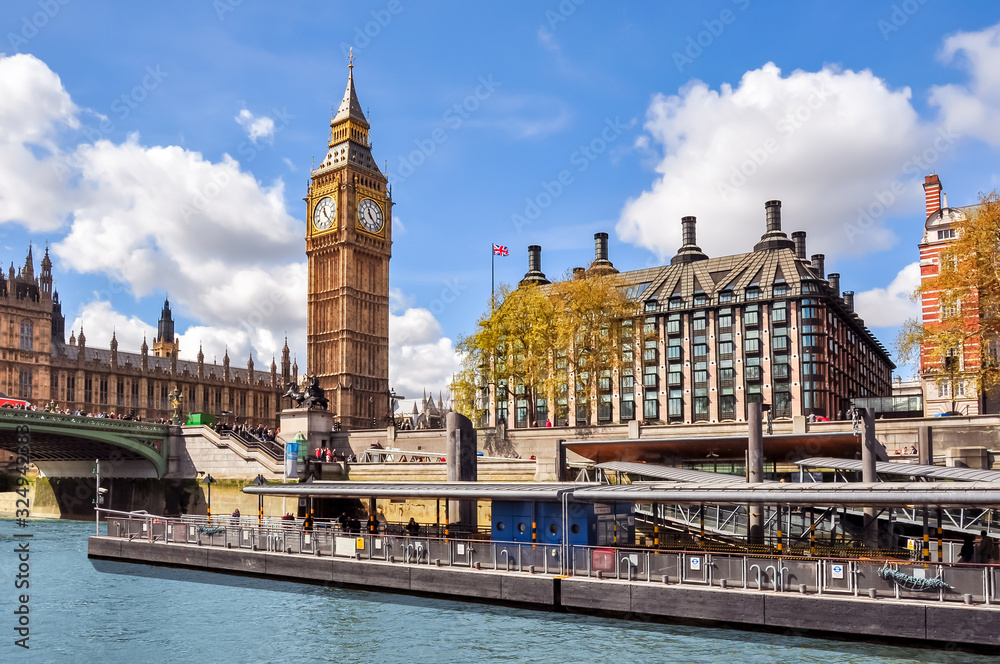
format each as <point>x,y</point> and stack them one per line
<point>348,244</point>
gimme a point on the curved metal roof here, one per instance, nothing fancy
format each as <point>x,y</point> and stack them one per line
<point>889,494</point>
<point>669,473</point>
<point>906,469</point>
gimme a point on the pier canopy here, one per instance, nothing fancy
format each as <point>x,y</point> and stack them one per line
<point>451,490</point>
<point>782,447</point>
<point>906,469</point>
<point>885,494</point>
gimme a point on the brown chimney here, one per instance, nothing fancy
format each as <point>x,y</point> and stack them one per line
<point>834,279</point>
<point>579,272</point>
<point>799,238</point>
<point>849,300</point>
<point>534,273</point>
<point>932,193</point>
<point>818,264</point>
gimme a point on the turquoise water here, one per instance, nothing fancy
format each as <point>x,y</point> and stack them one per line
<point>80,614</point>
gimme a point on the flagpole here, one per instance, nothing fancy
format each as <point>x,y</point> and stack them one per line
<point>493,278</point>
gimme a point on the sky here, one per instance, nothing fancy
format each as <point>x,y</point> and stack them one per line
<point>164,149</point>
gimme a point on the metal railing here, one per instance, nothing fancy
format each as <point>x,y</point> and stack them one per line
<point>960,583</point>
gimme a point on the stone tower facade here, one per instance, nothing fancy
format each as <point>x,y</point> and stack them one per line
<point>348,245</point>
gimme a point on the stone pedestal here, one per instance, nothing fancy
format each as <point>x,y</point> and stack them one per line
<point>967,457</point>
<point>315,425</point>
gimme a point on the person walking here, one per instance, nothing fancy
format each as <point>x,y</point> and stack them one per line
<point>985,549</point>
<point>968,551</point>
<point>412,528</point>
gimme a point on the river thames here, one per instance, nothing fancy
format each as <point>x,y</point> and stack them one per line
<point>80,614</point>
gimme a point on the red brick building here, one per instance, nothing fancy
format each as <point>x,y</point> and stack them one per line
<point>949,384</point>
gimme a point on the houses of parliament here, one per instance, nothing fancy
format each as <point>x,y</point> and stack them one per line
<point>41,366</point>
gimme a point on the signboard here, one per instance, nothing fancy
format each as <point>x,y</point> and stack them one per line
<point>837,571</point>
<point>695,563</point>
<point>460,549</point>
<point>291,459</point>
<point>361,543</point>
<point>602,509</point>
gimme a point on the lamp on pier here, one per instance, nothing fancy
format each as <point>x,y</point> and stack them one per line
<point>260,481</point>
<point>209,480</point>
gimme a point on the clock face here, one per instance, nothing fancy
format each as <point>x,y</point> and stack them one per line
<point>324,213</point>
<point>370,215</point>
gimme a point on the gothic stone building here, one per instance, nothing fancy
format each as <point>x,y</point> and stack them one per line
<point>717,333</point>
<point>348,245</point>
<point>40,366</point>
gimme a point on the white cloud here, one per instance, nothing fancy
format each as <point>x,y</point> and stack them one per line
<point>99,321</point>
<point>973,109</point>
<point>165,218</point>
<point>419,357</point>
<point>822,142</point>
<point>257,127</point>
<point>34,108</point>
<point>890,306</point>
<point>153,217</point>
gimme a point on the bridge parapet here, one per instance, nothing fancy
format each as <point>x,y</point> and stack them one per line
<point>56,437</point>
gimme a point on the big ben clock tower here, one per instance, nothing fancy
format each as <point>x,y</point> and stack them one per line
<point>348,243</point>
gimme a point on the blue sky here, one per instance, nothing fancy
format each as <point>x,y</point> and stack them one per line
<point>166,147</point>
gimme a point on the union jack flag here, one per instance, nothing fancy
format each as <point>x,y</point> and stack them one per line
<point>500,250</point>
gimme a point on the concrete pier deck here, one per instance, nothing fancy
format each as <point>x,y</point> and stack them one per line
<point>910,621</point>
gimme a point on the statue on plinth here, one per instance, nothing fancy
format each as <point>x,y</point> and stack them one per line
<point>312,397</point>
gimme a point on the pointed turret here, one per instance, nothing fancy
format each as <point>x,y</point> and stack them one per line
<point>350,107</point>
<point>72,338</point>
<point>114,349</point>
<point>250,369</point>
<point>45,282</point>
<point>201,362</point>
<point>286,363</point>
<point>144,357</point>
<point>350,141</point>
<point>28,271</point>
<point>165,343</point>
<point>225,365</point>
<point>81,341</point>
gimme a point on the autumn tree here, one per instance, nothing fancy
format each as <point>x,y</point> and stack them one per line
<point>512,346</point>
<point>588,317</point>
<point>529,337</point>
<point>962,343</point>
